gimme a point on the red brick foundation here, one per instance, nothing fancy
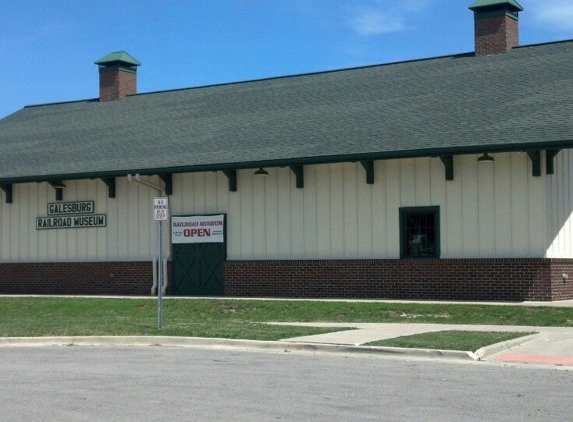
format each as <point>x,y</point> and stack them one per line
<point>80,278</point>
<point>561,288</point>
<point>439,279</point>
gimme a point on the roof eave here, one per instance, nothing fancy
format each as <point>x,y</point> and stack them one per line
<point>327,159</point>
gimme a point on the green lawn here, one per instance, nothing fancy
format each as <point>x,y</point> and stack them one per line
<point>36,317</point>
<point>227,318</point>
<point>469,341</point>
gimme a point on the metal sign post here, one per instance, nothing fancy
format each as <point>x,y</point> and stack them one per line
<point>160,214</point>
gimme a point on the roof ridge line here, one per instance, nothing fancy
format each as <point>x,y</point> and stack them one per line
<point>321,72</point>
<point>543,43</point>
<point>89,100</point>
<point>297,75</point>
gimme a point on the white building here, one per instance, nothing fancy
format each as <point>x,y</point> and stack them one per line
<point>444,178</point>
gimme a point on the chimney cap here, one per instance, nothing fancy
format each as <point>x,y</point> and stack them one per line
<point>119,57</point>
<point>480,4</point>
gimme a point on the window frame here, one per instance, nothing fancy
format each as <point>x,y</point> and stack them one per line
<point>404,212</point>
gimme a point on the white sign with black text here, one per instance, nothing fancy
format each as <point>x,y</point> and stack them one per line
<point>160,209</point>
<point>71,215</point>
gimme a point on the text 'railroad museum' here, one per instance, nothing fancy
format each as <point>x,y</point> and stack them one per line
<point>443,178</point>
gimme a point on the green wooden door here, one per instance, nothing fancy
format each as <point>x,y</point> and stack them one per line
<point>198,269</point>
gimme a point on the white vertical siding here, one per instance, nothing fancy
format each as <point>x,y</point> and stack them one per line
<point>323,233</point>
<point>128,234</point>
<point>559,207</point>
<point>365,221</point>
<point>485,220</point>
<point>519,210</point>
<point>502,205</point>
<point>246,211</point>
<point>423,180</point>
<point>18,216</point>
<point>468,178</point>
<point>310,210</point>
<point>257,218</point>
<point>44,192</point>
<point>377,212</point>
<point>270,207</point>
<point>451,219</point>
<point>234,227</point>
<point>338,215</point>
<point>437,191</point>
<point>407,183</point>
<point>336,205</point>
<point>283,212</point>
<point>350,208</point>
<point>491,209</point>
<point>296,199</point>
<point>392,200</point>
<point>538,241</point>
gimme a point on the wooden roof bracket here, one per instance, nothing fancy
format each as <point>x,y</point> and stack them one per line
<point>535,157</point>
<point>232,176</point>
<point>299,173</point>
<point>168,180</point>
<point>448,161</point>
<point>550,160</point>
<point>110,182</point>
<point>8,191</point>
<point>369,167</point>
<point>59,187</point>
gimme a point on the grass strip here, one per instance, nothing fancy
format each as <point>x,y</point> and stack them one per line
<point>450,340</point>
<point>38,317</point>
<point>228,318</point>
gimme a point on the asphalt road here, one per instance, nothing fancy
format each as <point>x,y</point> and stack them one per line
<point>190,384</point>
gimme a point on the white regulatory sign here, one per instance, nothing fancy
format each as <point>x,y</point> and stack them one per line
<point>160,209</point>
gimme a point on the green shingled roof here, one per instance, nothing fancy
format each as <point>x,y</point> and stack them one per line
<point>488,3</point>
<point>118,56</point>
<point>446,105</point>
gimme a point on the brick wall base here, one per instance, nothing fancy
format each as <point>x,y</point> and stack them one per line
<point>80,278</point>
<point>437,279</point>
<point>443,279</point>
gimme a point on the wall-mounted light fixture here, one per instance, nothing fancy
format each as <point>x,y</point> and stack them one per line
<point>261,172</point>
<point>486,158</point>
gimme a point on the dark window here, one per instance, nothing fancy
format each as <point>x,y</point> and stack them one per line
<point>420,232</point>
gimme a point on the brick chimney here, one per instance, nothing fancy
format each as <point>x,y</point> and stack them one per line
<point>496,26</point>
<point>117,76</point>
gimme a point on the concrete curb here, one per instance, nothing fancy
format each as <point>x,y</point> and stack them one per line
<point>496,348</point>
<point>284,346</point>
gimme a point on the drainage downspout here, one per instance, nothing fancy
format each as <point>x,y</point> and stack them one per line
<point>155,262</point>
<point>165,279</point>
<point>137,179</point>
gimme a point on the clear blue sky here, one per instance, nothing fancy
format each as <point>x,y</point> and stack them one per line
<point>47,48</point>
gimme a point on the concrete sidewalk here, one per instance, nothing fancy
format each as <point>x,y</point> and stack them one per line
<point>550,345</point>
